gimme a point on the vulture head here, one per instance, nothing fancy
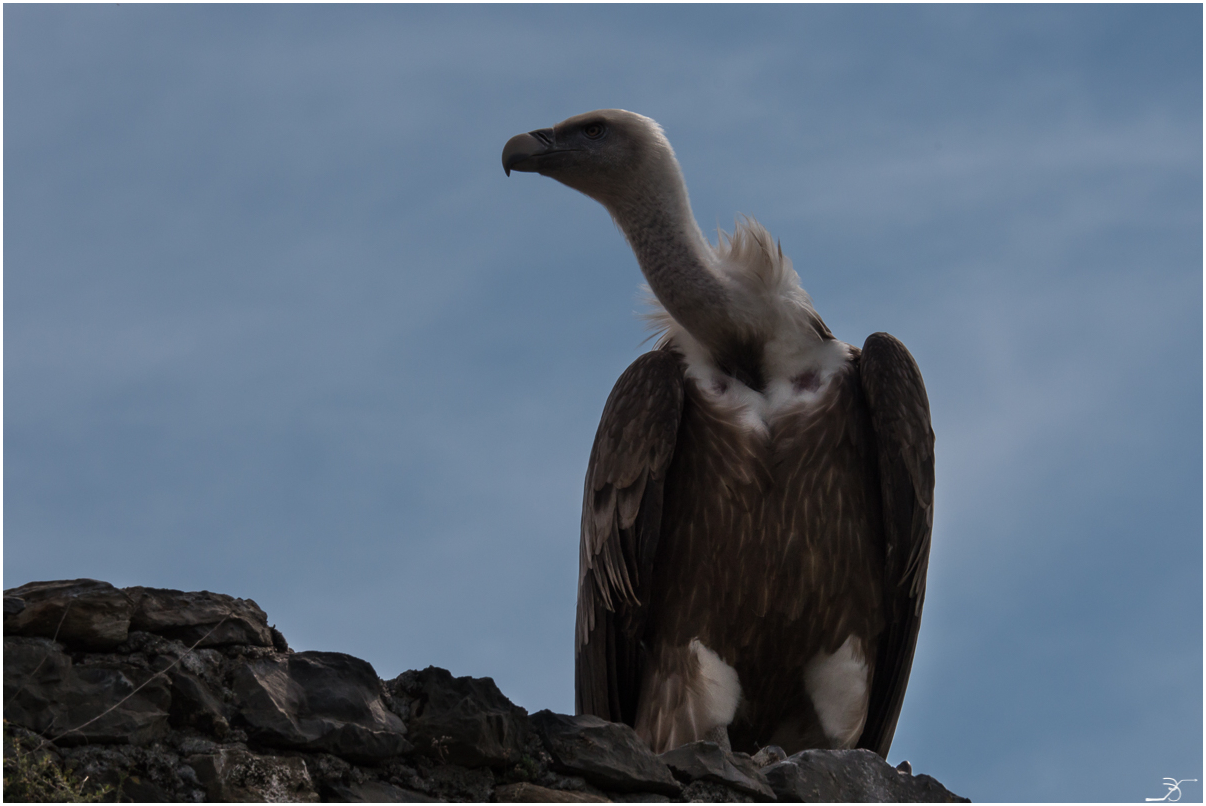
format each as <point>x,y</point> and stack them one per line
<point>611,155</point>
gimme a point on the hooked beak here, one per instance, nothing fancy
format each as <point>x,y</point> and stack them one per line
<point>523,151</point>
<point>534,152</point>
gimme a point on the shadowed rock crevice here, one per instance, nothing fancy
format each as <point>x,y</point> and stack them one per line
<point>159,695</point>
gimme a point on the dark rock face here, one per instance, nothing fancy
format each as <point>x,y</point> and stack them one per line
<point>318,701</point>
<point>607,754</point>
<point>213,619</point>
<point>707,761</point>
<point>196,705</point>
<point>161,695</point>
<point>83,613</point>
<point>46,692</point>
<point>703,791</point>
<point>151,773</point>
<point>374,792</point>
<point>13,605</point>
<point>531,793</point>
<point>237,776</point>
<point>462,720</point>
<point>845,776</point>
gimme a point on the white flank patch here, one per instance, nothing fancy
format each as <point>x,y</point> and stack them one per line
<point>837,684</point>
<point>719,688</point>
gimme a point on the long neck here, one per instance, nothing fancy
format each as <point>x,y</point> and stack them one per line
<point>674,257</point>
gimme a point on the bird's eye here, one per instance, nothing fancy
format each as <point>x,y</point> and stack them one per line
<point>593,130</point>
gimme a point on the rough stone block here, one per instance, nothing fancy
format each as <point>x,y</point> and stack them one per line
<point>771,754</point>
<point>373,792</point>
<point>607,754</point>
<point>707,761</point>
<point>45,692</point>
<point>462,720</point>
<point>318,701</point>
<point>704,791</point>
<point>851,776</point>
<point>191,616</point>
<point>531,793</point>
<point>195,706</point>
<point>449,782</point>
<point>81,613</point>
<point>151,774</point>
<point>238,776</point>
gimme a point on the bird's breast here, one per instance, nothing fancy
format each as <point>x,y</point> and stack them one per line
<point>795,384</point>
<point>790,500</point>
<point>771,553</point>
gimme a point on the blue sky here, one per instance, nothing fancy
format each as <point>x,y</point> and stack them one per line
<point>277,325</point>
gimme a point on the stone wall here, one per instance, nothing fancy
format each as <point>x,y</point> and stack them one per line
<point>142,694</point>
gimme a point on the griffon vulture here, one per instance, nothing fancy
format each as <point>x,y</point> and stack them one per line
<point>758,504</point>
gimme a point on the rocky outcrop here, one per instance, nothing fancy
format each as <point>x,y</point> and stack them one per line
<point>607,754</point>
<point>706,761</point>
<point>142,694</point>
<point>462,720</point>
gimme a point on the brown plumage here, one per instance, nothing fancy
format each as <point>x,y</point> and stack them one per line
<point>759,497</point>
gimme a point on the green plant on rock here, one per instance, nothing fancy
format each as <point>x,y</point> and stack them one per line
<point>528,769</point>
<point>33,776</point>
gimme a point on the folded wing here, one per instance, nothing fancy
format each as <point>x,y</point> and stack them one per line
<point>621,525</point>
<point>900,417</point>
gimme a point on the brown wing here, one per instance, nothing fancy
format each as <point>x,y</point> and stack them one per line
<point>900,417</point>
<point>621,523</point>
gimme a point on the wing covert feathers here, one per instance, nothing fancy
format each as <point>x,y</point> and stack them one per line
<point>900,418</point>
<point>621,523</point>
